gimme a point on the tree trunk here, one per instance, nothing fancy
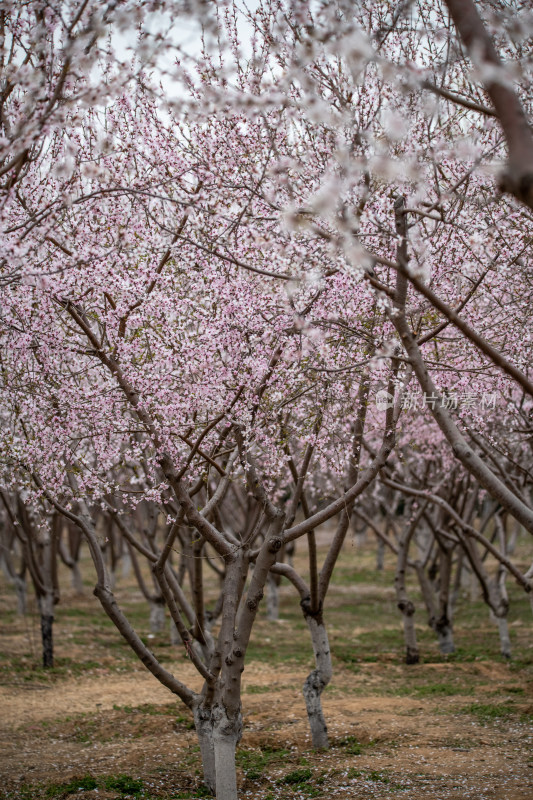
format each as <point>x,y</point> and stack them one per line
<point>405,605</point>
<point>157,616</point>
<point>466,577</point>
<point>20,591</point>
<point>272,598</point>
<point>126,563</point>
<point>46,608</point>
<point>112,578</point>
<point>474,587</point>
<point>69,555</point>
<point>47,596</point>
<point>290,550</point>
<point>359,531</point>
<point>443,625</point>
<point>505,639</point>
<point>458,580</point>
<point>426,588</point>
<point>175,637</point>
<point>76,579</point>
<point>443,628</point>
<point>513,537</point>
<point>499,592</point>
<point>227,731</point>
<point>204,731</point>
<point>380,555</point>
<point>316,682</point>
<point>16,578</point>
<point>412,654</point>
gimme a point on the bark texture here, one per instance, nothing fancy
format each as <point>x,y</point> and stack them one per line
<point>204,731</point>
<point>157,617</point>
<point>46,607</point>
<point>505,639</point>
<point>316,682</point>
<point>518,176</point>
<point>444,631</point>
<point>227,732</point>
<point>272,598</point>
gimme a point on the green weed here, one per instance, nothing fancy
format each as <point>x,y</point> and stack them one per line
<point>125,709</point>
<point>254,762</point>
<point>123,784</point>
<point>447,689</point>
<point>193,794</point>
<point>487,712</point>
<point>369,775</point>
<point>187,722</point>
<point>297,777</point>
<point>258,689</point>
<point>351,745</point>
<point>61,789</point>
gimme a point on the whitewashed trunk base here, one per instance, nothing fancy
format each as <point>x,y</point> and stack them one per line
<point>157,617</point>
<point>412,655</point>
<point>20,591</point>
<point>380,555</point>
<point>227,733</point>
<point>312,690</point>
<point>316,682</point>
<point>272,599</point>
<point>76,579</point>
<point>204,731</point>
<point>445,637</point>
<point>505,639</point>
<point>126,565</point>
<point>175,638</point>
<point>46,608</point>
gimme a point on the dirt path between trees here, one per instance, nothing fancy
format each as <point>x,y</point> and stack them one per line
<point>34,703</point>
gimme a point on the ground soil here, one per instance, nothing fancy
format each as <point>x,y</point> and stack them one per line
<point>99,724</point>
<point>396,730</point>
